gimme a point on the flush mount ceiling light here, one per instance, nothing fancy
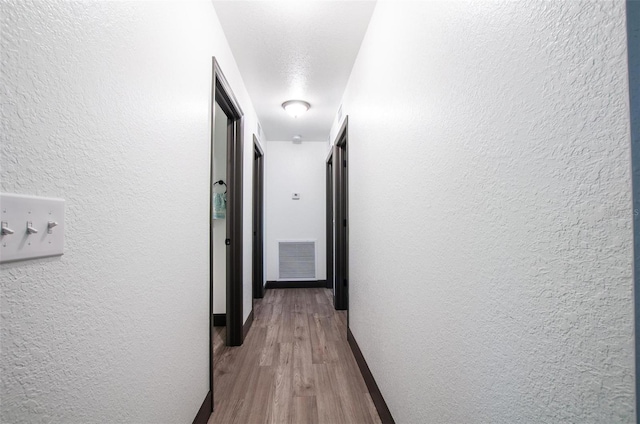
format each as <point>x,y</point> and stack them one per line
<point>295,108</point>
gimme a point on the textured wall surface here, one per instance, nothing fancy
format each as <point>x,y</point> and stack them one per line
<point>107,104</point>
<point>633,43</point>
<point>293,168</point>
<point>490,210</point>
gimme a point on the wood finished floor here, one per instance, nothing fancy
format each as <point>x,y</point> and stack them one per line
<point>295,366</point>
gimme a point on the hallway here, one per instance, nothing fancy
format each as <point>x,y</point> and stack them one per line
<point>489,209</point>
<point>294,367</point>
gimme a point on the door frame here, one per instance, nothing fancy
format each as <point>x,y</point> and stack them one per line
<point>228,103</point>
<point>341,201</point>
<point>258,220</point>
<point>223,95</point>
<point>329,219</point>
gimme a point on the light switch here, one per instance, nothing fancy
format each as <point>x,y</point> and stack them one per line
<point>31,227</point>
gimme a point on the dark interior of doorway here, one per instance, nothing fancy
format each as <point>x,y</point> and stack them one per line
<point>341,221</point>
<point>329,223</point>
<point>258,220</point>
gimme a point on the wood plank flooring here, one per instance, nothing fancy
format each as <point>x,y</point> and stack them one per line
<point>295,366</point>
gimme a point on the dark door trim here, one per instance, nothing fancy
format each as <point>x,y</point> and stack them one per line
<point>340,167</point>
<point>258,220</point>
<point>223,95</point>
<point>228,103</point>
<point>329,219</point>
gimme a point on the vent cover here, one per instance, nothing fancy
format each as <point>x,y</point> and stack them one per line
<point>297,260</point>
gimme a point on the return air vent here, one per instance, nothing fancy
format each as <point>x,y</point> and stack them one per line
<point>297,260</point>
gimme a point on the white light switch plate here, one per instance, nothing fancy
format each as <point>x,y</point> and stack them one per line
<point>16,211</point>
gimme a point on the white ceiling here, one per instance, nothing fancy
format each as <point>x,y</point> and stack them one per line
<point>301,50</point>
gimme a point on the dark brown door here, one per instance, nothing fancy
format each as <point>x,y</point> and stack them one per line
<point>234,224</point>
<point>329,224</point>
<point>258,220</point>
<point>340,166</point>
<point>223,96</point>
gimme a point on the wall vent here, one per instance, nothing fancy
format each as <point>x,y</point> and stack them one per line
<point>297,260</point>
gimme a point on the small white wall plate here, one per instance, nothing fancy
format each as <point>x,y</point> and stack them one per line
<point>33,227</point>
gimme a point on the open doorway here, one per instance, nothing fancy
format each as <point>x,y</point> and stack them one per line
<point>258,220</point>
<point>341,218</point>
<point>219,215</point>
<point>329,222</point>
<point>225,219</point>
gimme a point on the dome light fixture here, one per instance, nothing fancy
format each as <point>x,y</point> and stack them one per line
<point>296,108</point>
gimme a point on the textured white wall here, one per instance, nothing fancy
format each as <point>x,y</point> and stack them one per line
<point>490,211</point>
<point>107,104</point>
<point>290,168</point>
